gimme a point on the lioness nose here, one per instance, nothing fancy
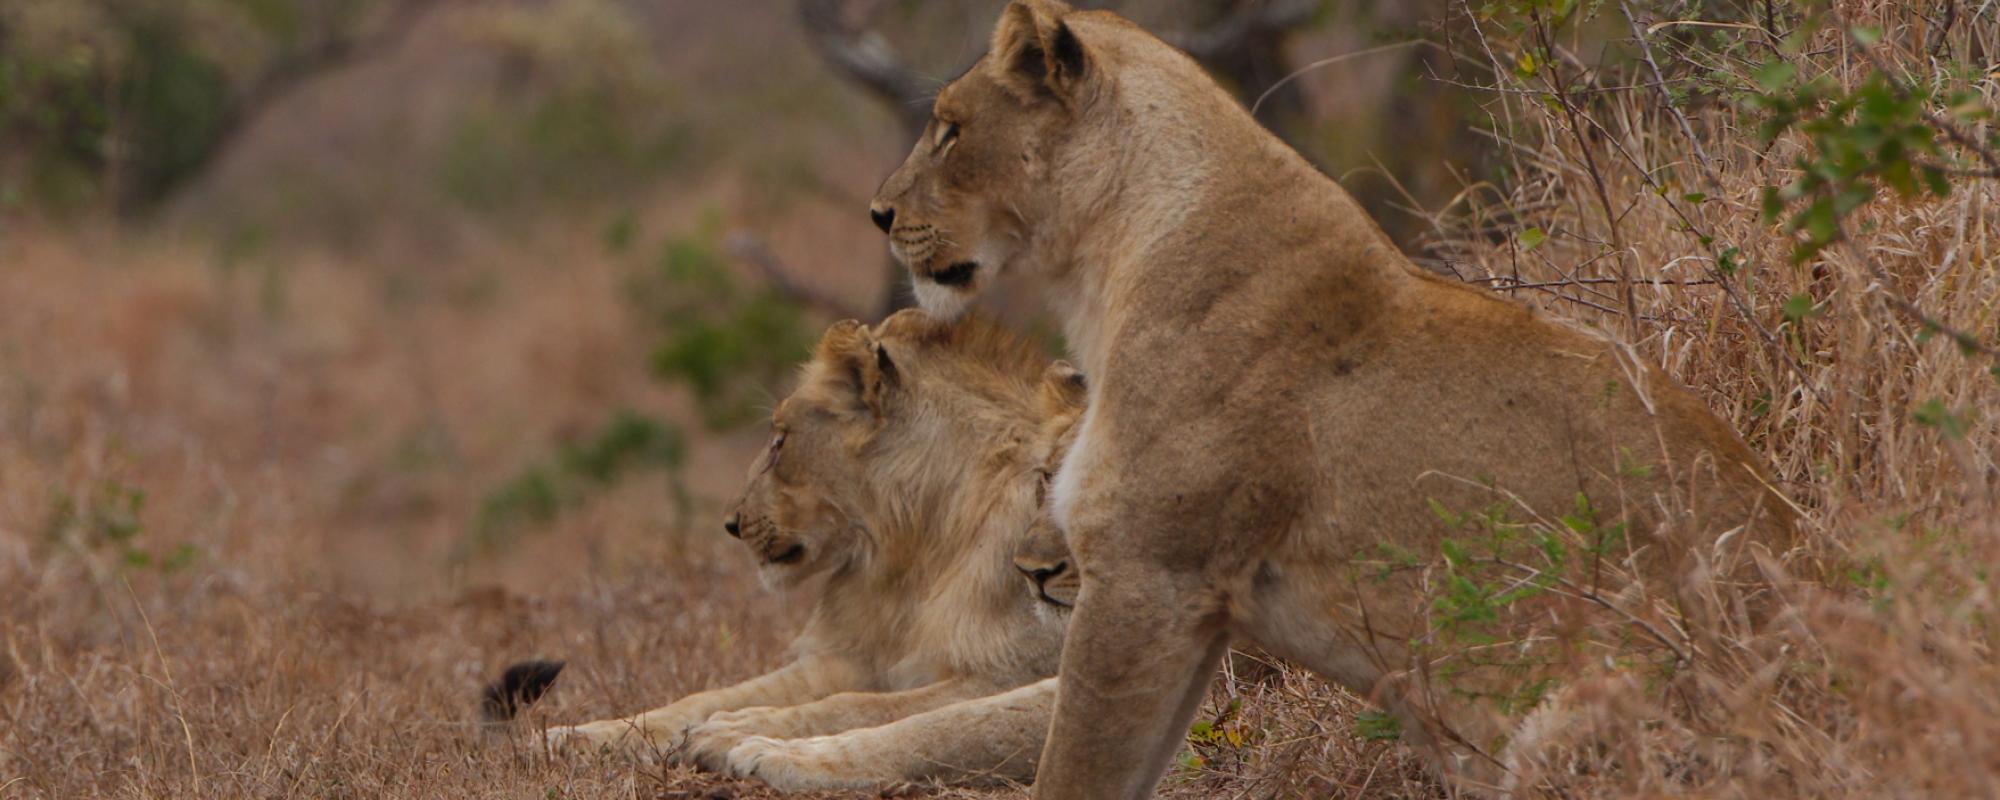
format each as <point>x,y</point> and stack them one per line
<point>884,216</point>
<point>730,524</point>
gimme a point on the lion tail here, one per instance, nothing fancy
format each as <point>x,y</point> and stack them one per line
<point>519,687</point>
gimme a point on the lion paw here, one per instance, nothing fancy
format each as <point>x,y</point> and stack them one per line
<point>603,737</point>
<point>793,765</point>
<point>708,744</point>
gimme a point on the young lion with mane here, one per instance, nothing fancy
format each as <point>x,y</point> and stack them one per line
<point>1294,437</point>
<point>906,473</point>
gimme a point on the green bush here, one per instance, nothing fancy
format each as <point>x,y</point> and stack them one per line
<point>728,345</point>
<point>541,491</point>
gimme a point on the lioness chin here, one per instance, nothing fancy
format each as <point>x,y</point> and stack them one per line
<point>904,480</point>
<point>1435,497</point>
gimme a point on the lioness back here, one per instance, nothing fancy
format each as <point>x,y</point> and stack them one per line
<point>1523,447</point>
<point>1457,392</point>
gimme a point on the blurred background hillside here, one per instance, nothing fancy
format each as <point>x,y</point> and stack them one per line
<point>353,349</point>
<point>455,241</point>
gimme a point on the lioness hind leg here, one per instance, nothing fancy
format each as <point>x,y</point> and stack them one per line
<point>1286,616</point>
<point>988,740</point>
<point>1141,651</point>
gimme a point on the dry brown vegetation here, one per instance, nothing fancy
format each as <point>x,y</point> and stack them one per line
<point>230,489</point>
<point>1877,683</point>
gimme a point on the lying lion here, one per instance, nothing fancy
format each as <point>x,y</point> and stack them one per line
<point>1435,497</point>
<point>995,739</point>
<point>908,469</point>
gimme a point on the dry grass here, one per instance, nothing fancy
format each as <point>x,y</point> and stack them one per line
<point>1877,683</point>
<point>321,433</point>
<point>321,456</point>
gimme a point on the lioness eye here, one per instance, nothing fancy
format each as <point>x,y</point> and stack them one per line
<point>947,134</point>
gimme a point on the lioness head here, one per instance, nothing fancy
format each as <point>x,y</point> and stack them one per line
<point>890,431</point>
<point>963,206</point>
<point>1043,557</point>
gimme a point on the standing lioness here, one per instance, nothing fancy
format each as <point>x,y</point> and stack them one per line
<point>1288,422</point>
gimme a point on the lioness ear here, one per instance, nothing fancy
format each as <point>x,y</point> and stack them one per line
<point>1063,389</point>
<point>1035,52</point>
<point>853,356</point>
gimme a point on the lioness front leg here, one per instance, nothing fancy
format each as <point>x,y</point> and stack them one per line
<point>1141,650</point>
<point>987,740</point>
<point>662,730</point>
<point>709,743</point>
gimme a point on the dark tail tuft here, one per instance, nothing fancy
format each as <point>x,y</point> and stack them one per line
<point>519,687</point>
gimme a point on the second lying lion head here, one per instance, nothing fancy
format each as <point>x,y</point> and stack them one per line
<point>1042,556</point>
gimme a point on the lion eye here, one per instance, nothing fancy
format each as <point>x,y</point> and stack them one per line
<point>947,134</point>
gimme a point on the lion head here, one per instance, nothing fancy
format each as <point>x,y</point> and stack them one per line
<point>1042,556</point>
<point>890,431</point>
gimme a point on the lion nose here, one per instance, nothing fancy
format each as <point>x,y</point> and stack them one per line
<point>884,216</point>
<point>731,524</point>
<point>1041,575</point>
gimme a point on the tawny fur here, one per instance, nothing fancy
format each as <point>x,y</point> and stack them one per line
<point>1277,396</point>
<point>904,472</point>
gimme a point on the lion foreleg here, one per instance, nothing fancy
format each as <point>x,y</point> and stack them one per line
<point>988,740</point>
<point>709,743</point>
<point>662,730</point>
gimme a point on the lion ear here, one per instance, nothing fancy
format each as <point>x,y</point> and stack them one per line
<point>1063,389</point>
<point>854,357</point>
<point>1035,51</point>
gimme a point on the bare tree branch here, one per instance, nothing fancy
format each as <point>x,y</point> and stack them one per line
<point>753,250</point>
<point>1247,46</point>
<point>866,58</point>
<point>1237,28</point>
<point>290,71</point>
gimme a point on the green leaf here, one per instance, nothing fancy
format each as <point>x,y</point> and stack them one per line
<point>1934,414</point>
<point>1532,238</point>
<point>1798,307</point>
<point>1377,726</point>
<point>1696,198</point>
<point>1819,222</point>
<point>1775,75</point>
<point>1525,66</point>
<point>1774,204</point>
<point>1454,553</point>
<point>1866,34</point>
<point>1729,260</point>
<point>1935,180</point>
